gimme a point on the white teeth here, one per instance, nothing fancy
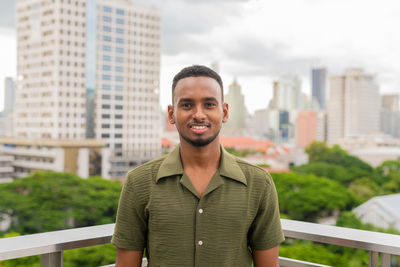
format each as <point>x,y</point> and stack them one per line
<point>198,127</point>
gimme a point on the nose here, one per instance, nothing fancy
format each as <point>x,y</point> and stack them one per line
<point>199,114</point>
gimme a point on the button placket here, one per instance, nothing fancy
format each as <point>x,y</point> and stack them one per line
<point>199,236</point>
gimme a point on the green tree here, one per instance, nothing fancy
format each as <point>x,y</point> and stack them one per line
<point>307,197</point>
<point>49,201</point>
<point>320,152</point>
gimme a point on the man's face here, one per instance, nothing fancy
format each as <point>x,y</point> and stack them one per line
<point>198,111</point>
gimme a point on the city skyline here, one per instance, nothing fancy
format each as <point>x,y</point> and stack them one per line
<point>258,41</point>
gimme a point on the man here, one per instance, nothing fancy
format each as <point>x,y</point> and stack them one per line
<point>198,205</point>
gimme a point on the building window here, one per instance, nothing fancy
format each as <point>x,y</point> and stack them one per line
<point>119,30</point>
<point>119,69</point>
<point>105,106</point>
<point>106,48</point>
<point>119,97</point>
<point>106,38</point>
<point>118,126</point>
<point>118,116</point>
<point>107,9</point>
<point>105,126</point>
<point>120,21</point>
<point>105,116</point>
<point>106,67</point>
<point>105,97</point>
<point>120,11</point>
<point>106,77</point>
<point>119,107</point>
<point>120,40</point>
<point>119,78</point>
<point>106,87</point>
<point>119,59</point>
<point>118,88</point>
<point>106,19</point>
<point>106,58</point>
<point>119,50</point>
<point>105,135</point>
<point>107,28</point>
<point>118,135</point>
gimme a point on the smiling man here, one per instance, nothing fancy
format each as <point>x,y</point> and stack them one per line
<point>198,205</point>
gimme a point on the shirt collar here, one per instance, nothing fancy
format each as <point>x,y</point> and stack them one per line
<point>228,168</point>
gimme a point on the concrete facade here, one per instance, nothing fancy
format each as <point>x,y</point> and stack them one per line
<point>353,107</point>
<point>90,69</point>
<point>72,156</point>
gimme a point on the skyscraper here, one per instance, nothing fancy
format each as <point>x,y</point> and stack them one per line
<point>353,107</point>
<point>318,86</point>
<point>237,109</point>
<point>9,94</point>
<point>287,93</point>
<point>90,69</point>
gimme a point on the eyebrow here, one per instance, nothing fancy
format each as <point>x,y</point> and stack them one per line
<point>188,99</point>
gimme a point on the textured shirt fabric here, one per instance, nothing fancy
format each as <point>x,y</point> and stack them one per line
<point>161,211</point>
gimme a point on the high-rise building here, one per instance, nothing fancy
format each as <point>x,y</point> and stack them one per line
<point>9,94</point>
<point>318,87</point>
<point>237,109</point>
<point>353,107</point>
<point>390,102</point>
<point>287,94</point>
<point>90,69</point>
<point>310,126</point>
<point>7,115</point>
<point>390,115</point>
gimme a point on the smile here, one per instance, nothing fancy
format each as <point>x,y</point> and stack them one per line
<point>198,129</point>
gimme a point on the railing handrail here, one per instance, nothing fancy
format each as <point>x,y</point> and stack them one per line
<point>50,242</point>
<point>342,236</point>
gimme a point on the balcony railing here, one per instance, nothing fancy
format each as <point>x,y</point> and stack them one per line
<point>52,244</point>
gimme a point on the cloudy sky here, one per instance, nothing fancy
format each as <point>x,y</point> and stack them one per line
<point>259,40</point>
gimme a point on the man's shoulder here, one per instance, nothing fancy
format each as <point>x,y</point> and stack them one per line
<point>145,172</point>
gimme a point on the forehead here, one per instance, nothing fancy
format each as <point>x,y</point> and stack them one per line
<point>196,86</point>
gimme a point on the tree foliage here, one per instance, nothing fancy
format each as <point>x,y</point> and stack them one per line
<point>320,152</point>
<point>307,197</point>
<point>49,201</point>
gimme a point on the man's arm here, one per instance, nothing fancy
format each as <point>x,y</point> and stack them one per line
<point>266,258</point>
<point>129,258</point>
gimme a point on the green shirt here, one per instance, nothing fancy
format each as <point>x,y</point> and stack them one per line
<point>161,211</point>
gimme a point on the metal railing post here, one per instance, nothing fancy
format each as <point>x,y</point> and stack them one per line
<point>54,259</point>
<point>373,259</point>
<point>385,260</point>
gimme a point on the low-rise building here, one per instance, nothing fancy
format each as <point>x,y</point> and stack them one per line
<point>83,158</point>
<point>382,211</point>
<point>373,149</point>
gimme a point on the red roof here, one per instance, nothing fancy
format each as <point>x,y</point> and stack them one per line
<point>246,143</point>
<point>166,142</point>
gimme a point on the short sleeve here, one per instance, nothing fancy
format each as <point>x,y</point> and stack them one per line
<point>130,230</point>
<point>266,230</point>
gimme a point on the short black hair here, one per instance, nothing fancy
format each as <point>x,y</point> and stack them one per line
<point>197,71</point>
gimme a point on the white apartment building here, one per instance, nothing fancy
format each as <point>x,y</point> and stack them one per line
<point>287,93</point>
<point>353,106</point>
<point>90,69</point>
<point>85,158</point>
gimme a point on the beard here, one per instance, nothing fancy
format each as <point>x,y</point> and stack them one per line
<point>199,142</point>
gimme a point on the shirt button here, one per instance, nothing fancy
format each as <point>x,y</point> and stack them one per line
<point>200,243</point>
<point>201,210</point>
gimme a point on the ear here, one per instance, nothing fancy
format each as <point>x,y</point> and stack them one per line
<point>225,115</point>
<point>171,118</point>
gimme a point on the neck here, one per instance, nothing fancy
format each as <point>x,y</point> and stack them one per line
<point>200,157</point>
